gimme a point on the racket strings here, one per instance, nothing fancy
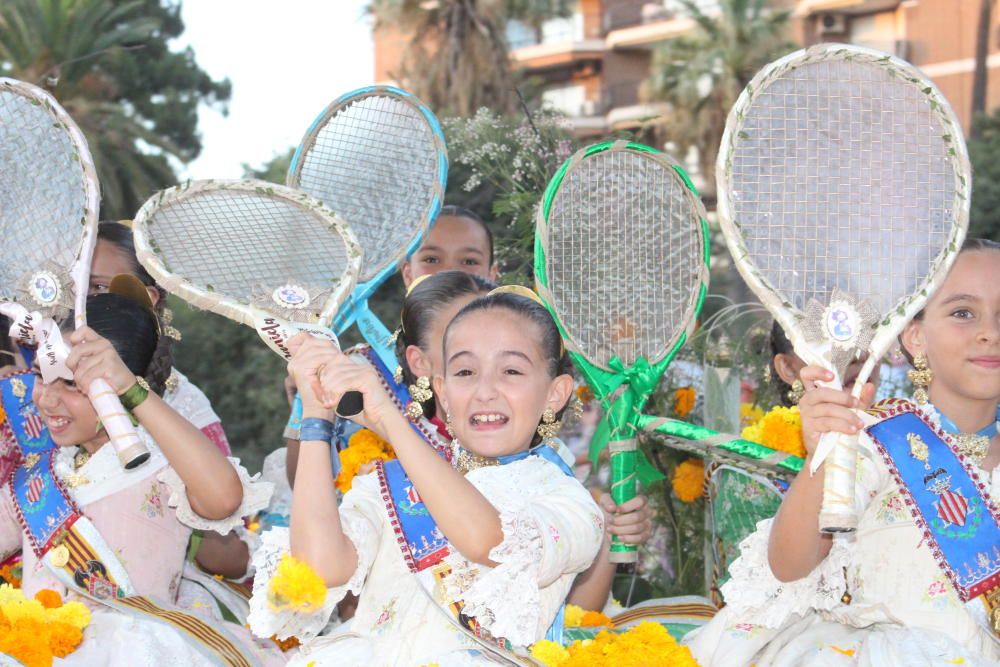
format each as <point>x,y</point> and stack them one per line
<point>624,256</point>
<point>841,178</point>
<point>243,245</point>
<point>43,198</point>
<point>375,163</point>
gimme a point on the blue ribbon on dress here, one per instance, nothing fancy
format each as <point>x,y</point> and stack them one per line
<point>44,506</point>
<point>30,433</point>
<point>955,512</point>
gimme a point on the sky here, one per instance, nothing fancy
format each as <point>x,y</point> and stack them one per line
<point>287,60</point>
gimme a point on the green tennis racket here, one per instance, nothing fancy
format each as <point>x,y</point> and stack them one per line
<point>621,259</point>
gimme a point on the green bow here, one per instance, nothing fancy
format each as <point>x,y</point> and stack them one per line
<point>619,419</point>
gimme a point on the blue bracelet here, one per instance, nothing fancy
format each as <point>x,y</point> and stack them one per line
<point>314,428</point>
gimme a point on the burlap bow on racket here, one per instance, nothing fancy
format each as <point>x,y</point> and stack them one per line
<point>640,381</point>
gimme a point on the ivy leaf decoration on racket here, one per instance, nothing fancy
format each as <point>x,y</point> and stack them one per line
<point>621,259</point>
<point>844,191</point>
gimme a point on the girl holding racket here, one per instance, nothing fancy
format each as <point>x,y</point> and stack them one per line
<point>505,530</point>
<point>918,582</point>
<point>123,546</point>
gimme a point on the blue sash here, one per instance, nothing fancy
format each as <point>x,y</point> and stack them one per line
<point>947,498</point>
<point>26,425</point>
<point>43,505</point>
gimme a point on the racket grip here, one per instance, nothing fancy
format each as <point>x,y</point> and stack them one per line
<point>131,451</point>
<point>351,404</point>
<point>836,514</point>
<point>624,456</point>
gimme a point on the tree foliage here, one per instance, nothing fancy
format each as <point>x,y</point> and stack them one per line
<point>109,64</point>
<point>984,220</point>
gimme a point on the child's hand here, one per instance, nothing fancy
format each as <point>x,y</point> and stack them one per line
<point>631,522</point>
<point>340,375</point>
<point>309,356</point>
<point>827,410</point>
<point>93,358</point>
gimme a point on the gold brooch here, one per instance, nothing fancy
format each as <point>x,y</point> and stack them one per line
<point>59,556</point>
<point>918,448</point>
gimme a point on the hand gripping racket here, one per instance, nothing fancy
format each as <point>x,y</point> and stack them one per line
<point>621,258</point>
<point>844,192</point>
<point>49,205</point>
<point>266,256</point>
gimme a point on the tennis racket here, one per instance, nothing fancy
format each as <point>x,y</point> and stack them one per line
<point>621,258</point>
<point>377,157</point>
<point>48,222</point>
<point>260,254</point>
<point>844,191</point>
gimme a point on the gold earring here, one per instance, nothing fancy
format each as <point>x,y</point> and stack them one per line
<point>549,428</point>
<point>170,331</point>
<point>796,393</point>
<point>397,375</point>
<point>420,392</point>
<point>921,377</point>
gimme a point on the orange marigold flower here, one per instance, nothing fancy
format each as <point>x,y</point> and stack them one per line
<point>689,480</point>
<point>596,619</point>
<point>363,448</point>
<point>50,599</point>
<point>684,401</point>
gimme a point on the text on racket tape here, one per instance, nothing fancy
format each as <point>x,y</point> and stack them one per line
<point>276,332</point>
<point>30,328</point>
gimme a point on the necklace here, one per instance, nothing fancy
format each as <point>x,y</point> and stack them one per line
<point>974,446</point>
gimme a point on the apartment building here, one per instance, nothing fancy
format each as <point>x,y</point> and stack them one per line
<point>593,63</point>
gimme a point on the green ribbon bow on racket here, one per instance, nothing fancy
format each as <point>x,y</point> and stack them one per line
<point>618,423</point>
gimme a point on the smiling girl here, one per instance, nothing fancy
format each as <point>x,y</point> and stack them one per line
<point>506,529</point>
<point>918,583</point>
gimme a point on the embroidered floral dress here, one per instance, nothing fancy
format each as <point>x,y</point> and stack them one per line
<point>145,518</point>
<point>899,609</point>
<point>552,530</point>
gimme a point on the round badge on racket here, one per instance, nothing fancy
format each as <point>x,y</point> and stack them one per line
<point>44,288</point>
<point>291,296</point>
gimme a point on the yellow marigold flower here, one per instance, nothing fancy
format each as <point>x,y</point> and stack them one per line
<point>71,613</point>
<point>689,480</point>
<point>549,653</point>
<point>295,586</point>
<point>750,414</point>
<point>684,401</point>
<point>779,429</point>
<point>645,644</point>
<point>364,447</point>
<point>63,639</point>
<point>49,598</point>
<point>573,616</point>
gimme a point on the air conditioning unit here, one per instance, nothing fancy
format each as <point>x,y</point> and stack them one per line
<point>831,24</point>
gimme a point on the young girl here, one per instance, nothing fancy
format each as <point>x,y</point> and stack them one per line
<point>917,583</point>
<point>503,531</point>
<point>112,538</point>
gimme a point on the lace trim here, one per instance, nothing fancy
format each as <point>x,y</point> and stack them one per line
<point>255,498</point>
<point>754,592</point>
<point>505,599</point>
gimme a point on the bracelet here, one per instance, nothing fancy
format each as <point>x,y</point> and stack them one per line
<point>134,396</point>
<point>316,429</point>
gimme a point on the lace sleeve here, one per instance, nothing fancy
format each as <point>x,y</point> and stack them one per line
<point>546,539</point>
<point>359,515</point>
<point>256,495</point>
<point>754,592</point>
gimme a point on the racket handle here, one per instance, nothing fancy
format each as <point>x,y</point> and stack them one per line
<point>836,514</point>
<point>351,404</point>
<point>624,457</point>
<point>131,451</point>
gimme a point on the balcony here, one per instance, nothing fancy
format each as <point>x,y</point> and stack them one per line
<point>640,25</point>
<point>810,7</point>
<point>558,43</point>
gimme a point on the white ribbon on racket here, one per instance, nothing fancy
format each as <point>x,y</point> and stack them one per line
<point>30,328</point>
<point>276,332</point>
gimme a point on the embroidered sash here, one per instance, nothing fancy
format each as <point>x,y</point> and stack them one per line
<point>26,427</point>
<point>73,550</point>
<point>949,501</point>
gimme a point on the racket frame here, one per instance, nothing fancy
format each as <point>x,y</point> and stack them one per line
<point>597,375</point>
<point>355,308</point>
<point>838,514</point>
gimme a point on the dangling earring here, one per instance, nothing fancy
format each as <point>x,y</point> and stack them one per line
<point>796,393</point>
<point>169,331</point>
<point>921,377</point>
<point>420,392</point>
<point>549,428</point>
<point>397,375</point>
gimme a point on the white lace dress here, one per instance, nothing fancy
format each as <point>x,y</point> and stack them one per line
<point>902,611</point>
<point>552,530</point>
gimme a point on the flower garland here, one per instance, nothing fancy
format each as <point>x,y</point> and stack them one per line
<point>648,643</point>
<point>11,574</point>
<point>684,398</point>
<point>689,480</point>
<point>779,429</point>
<point>363,448</point>
<point>578,617</point>
<point>295,587</point>
<point>34,631</point>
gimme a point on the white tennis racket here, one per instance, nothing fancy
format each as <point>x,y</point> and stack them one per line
<point>264,255</point>
<point>49,205</point>
<point>844,192</point>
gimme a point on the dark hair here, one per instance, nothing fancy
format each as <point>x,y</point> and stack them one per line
<point>423,305</point>
<point>969,245</point>
<point>557,361</point>
<point>120,236</point>
<point>128,326</point>
<point>462,212</point>
<point>779,344</point>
